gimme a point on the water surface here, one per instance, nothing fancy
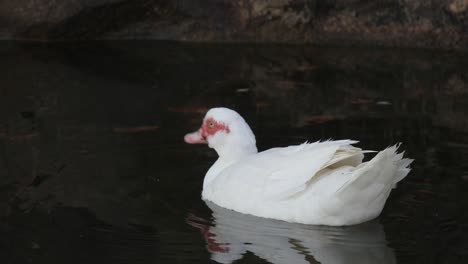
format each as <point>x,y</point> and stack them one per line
<point>93,168</point>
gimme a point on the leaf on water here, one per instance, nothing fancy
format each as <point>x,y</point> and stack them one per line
<point>136,129</point>
<point>260,104</point>
<point>320,119</point>
<point>286,85</point>
<point>307,68</point>
<point>22,138</point>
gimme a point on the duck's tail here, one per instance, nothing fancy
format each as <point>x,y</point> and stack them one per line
<point>402,164</point>
<point>370,184</point>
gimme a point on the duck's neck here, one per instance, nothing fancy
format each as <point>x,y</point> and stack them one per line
<point>229,152</point>
<point>235,144</point>
<point>235,151</point>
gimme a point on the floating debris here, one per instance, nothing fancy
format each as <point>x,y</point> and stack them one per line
<point>383,103</point>
<point>136,129</point>
<point>22,138</point>
<point>307,68</point>
<point>260,104</point>
<point>320,119</point>
<point>34,245</point>
<point>242,90</point>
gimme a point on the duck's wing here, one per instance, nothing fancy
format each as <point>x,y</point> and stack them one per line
<point>285,172</point>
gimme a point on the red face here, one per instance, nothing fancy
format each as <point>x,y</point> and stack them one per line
<point>211,127</point>
<point>208,128</point>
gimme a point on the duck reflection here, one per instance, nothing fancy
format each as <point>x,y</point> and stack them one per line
<point>230,235</point>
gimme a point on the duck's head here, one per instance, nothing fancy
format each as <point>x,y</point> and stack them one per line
<point>225,131</point>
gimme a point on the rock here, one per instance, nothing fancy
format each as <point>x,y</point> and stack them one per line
<point>458,6</point>
<point>404,23</point>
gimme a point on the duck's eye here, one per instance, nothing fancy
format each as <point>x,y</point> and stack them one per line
<point>211,125</point>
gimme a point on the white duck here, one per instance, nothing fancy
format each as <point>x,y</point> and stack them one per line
<point>321,183</point>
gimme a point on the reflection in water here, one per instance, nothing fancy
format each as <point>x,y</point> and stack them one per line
<point>231,235</point>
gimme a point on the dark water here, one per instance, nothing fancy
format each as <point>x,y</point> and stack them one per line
<point>93,168</point>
